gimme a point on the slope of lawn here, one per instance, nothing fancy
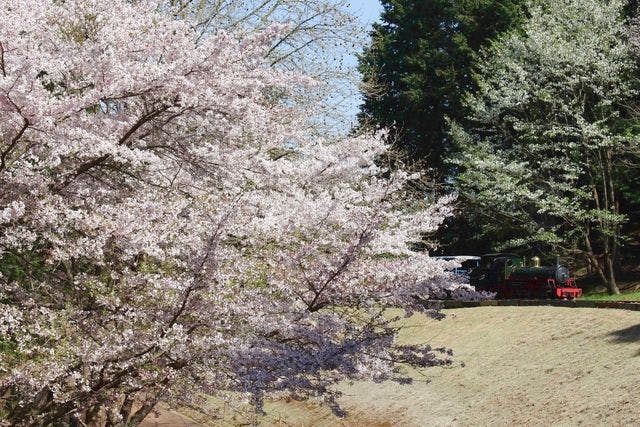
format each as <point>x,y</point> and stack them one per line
<point>513,366</point>
<point>628,283</point>
<point>603,296</point>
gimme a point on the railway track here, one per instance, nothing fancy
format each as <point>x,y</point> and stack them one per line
<point>620,305</point>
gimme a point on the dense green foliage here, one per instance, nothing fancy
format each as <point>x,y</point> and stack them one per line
<point>551,132</point>
<point>536,102</point>
<point>418,67</point>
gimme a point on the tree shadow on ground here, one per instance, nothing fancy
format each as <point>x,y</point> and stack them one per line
<point>627,335</point>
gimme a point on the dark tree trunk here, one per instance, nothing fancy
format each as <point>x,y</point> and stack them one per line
<point>144,410</point>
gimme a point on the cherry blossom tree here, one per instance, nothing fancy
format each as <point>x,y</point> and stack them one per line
<point>319,41</point>
<point>169,229</point>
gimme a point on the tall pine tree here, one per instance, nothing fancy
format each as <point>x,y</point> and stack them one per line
<point>418,66</point>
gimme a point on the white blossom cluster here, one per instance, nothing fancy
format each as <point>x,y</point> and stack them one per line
<point>169,230</point>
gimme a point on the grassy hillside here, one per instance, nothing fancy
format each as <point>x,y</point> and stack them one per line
<point>514,366</point>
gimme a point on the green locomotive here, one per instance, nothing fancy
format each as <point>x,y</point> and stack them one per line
<point>508,276</point>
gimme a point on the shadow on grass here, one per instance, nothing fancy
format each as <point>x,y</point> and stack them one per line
<point>627,335</point>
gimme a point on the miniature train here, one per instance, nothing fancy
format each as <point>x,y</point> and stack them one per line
<point>508,277</point>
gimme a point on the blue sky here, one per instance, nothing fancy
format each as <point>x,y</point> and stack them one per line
<point>367,10</point>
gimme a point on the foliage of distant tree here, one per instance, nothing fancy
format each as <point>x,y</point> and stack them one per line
<point>550,133</point>
<point>419,65</point>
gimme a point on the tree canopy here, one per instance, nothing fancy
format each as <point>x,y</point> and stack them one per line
<point>419,65</point>
<point>171,230</point>
<point>547,140</point>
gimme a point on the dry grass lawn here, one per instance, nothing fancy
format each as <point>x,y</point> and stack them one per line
<point>513,366</point>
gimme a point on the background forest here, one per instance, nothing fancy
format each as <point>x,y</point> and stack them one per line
<point>528,111</point>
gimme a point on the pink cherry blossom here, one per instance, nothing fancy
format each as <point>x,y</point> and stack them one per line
<point>170,230</point>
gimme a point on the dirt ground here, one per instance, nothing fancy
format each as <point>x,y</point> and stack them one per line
<point>520,366</point>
